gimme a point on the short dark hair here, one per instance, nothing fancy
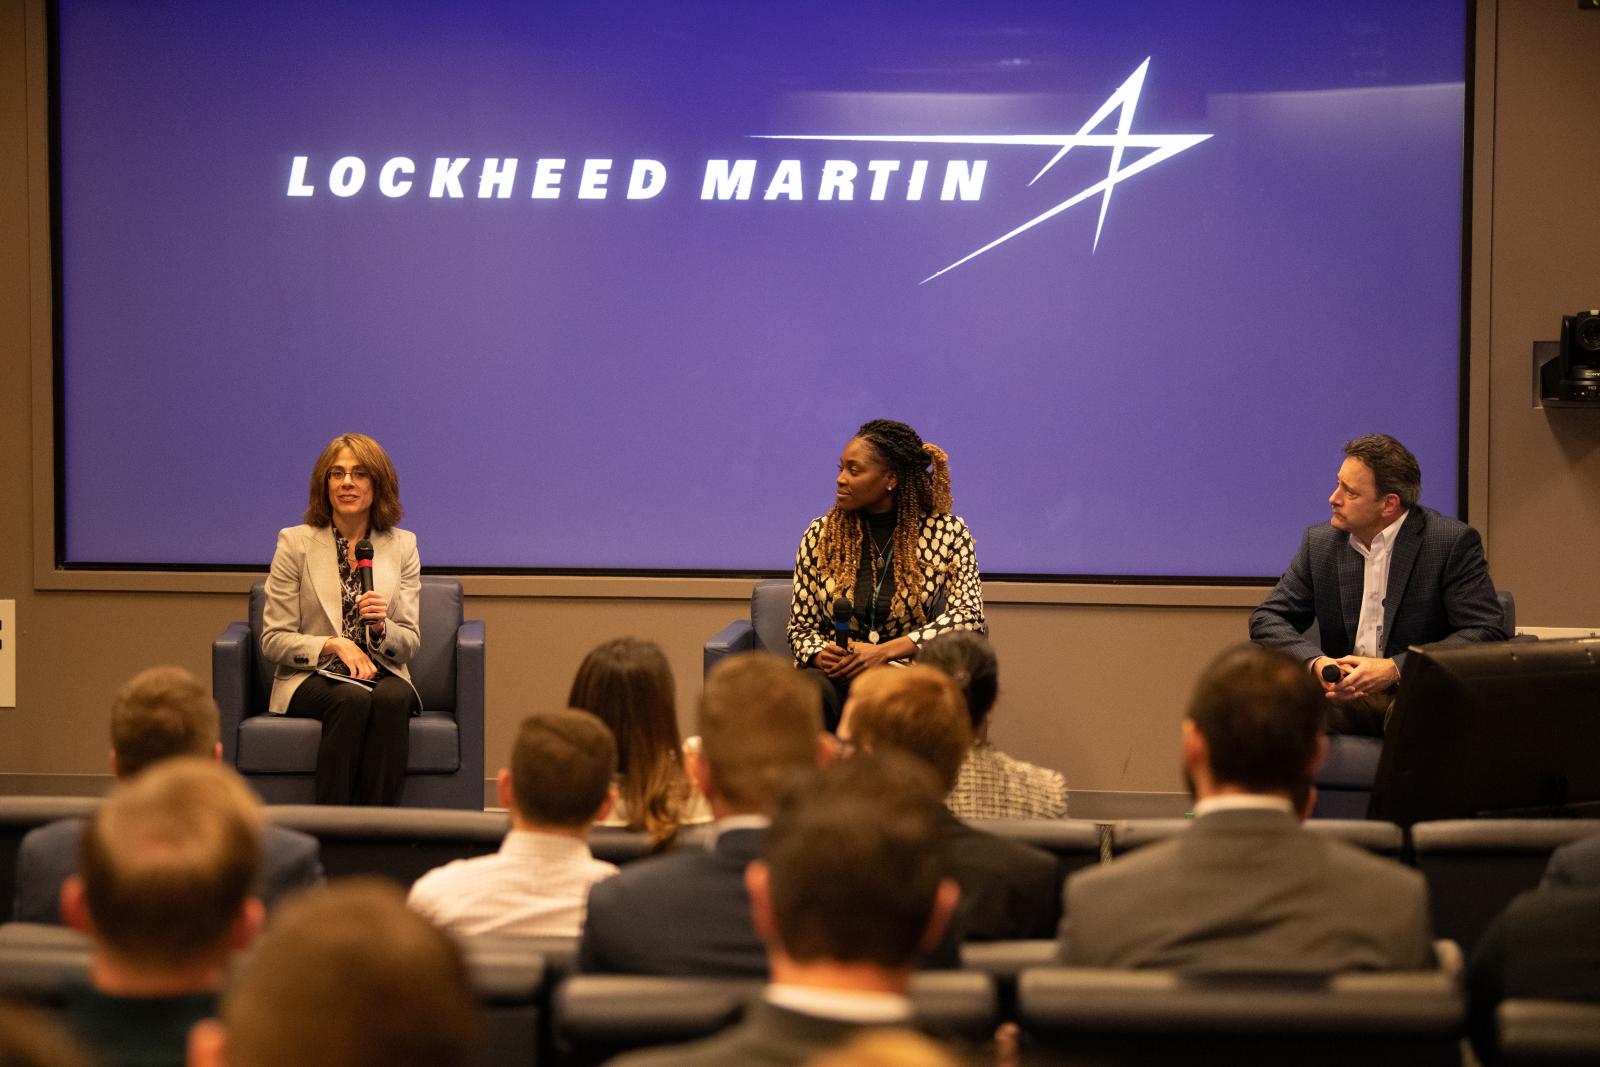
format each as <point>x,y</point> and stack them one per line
<point>1260,712</point>
<point>348,976</point>
<point>969,660</point>
<point>561,767</point>
<point>855,861</point>
<point>759,721</point>
<point>161,712</point>
<point>916,709</point>
<point>169,860</point>
<point>1394,468</point>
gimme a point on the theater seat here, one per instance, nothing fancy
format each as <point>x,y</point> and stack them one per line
<point>278,754</point>
<point>1544,1033</point>
<point>1474,867</point>
<point>18,815</point>
<point>406,843</point>
<point>510,976</point>
<point>1155,1018</point>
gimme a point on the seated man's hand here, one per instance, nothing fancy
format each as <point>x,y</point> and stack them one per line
<point>1363,676</point>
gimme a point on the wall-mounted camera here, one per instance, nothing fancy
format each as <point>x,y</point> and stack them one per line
<point>1573,374</point>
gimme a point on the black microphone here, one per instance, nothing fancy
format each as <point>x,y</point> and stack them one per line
<point>1331,673</point>
<point>841,622</point>
<point>364,572</point>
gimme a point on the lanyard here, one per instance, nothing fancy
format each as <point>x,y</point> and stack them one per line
<point>883,572</point>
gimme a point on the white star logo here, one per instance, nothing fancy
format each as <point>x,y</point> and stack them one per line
<point>1162,146</point>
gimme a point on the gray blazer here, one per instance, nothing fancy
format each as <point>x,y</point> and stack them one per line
<point>303,607</point>
<point>1439,589</point>
<point>1248,891</point>
<point>682,913</point>
<point>48,856</point>
<point>768,1036</point>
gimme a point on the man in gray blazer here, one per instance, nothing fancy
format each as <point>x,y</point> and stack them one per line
<point>1381,575</point>
<point>849,896</point>
<point>160,713</point>
<point>1245,889</point>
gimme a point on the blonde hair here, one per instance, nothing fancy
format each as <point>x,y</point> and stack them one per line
<point>169,860</point>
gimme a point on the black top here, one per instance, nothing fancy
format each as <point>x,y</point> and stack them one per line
<point>875,572</point>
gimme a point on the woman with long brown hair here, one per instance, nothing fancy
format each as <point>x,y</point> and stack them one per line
<point>628,684</point>
<point>892,548</point>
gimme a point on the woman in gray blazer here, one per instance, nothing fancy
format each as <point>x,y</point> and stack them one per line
<point>341,653</point>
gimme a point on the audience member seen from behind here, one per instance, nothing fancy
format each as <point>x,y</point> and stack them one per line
<point>891,547</point>
<point>850,895</point>
<point>1421,578</point>
<point>687,912</point>
<point>628,684</point>
<point>1009,890</point>
<point>346,977</point>
<point>30,1038</point>
<point>537,885</point>
<point>1246,889</point>
<point>1544,946</point>
<point>991,785</point>
<point>161,712</point>
<point>168,866</point>
<point>341,653</point>
<point>888,1048</point>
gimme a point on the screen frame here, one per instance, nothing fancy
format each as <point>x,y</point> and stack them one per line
<point>53,570</point>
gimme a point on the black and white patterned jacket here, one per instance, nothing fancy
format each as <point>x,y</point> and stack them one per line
<point>951,592</point>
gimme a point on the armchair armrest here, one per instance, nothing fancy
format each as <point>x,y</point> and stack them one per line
<point>737,636</point>
<point>232,657</point>
<point>470,697</point>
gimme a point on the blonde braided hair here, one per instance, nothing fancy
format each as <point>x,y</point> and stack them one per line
<point>923,489</point>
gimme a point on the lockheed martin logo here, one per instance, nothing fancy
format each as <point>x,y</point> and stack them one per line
<point>733,180</point>
<point>1163,146</point>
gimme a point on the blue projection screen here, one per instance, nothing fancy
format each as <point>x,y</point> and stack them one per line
<point>614,283</point>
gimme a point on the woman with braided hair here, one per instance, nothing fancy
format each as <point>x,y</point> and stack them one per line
<point>891,547</point>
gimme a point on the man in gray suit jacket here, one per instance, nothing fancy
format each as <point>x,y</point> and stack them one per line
<point>160,713</point>
<point>1245,889</point>
<point>1381,575</point>
<point>849,896</point>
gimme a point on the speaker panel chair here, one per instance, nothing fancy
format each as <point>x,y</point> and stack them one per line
<point>278,754</point>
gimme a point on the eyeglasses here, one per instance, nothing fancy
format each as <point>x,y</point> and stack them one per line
<point>359,475</point>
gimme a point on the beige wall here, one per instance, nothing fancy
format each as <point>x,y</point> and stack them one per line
<point>1094,687</point>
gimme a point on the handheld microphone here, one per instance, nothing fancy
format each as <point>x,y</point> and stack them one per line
<point>364,572</point>
<point>1331,673</point>
<point>841,622</point>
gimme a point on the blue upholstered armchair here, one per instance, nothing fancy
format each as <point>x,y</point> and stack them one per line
<point>278,754</point>
<point>766,630</point>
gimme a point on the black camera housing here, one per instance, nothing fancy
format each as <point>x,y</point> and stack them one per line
<point>1579,364</point>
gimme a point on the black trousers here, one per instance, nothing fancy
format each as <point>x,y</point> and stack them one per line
<point>365,737</point>
<point>834,693</point>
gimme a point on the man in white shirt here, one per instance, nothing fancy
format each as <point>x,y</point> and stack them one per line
<point>1383,574</point>
<point>1246,889</point>
<point>537,885</point>
<point>847,899</point>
